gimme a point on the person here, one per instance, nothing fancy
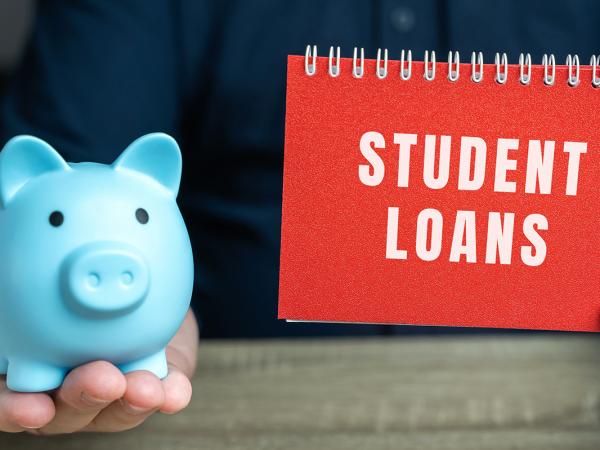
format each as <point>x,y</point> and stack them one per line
<point>97,75</point>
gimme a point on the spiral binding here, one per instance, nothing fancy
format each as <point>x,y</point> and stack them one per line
<point>429,71</point>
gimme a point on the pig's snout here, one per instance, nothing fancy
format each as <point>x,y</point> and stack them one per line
<point>105,278</point>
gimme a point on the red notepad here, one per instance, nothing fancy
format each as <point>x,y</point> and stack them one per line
<point>438,202</point>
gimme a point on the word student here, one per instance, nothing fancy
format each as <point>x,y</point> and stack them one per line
<point>473,158</point>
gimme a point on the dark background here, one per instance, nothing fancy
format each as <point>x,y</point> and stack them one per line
<point>15,21</point>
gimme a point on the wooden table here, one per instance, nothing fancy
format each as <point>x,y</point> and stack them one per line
<point>493,392</point>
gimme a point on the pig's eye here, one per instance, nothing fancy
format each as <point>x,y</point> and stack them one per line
<point>56,219</point>
<point>142,216</point>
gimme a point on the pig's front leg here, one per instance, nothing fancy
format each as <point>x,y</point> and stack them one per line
<point>156,363</point>
<point>25,375</point>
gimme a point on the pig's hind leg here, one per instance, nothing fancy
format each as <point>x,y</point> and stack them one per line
<point>156,363</point>
<point>26,375</point>
<point>3,365</point>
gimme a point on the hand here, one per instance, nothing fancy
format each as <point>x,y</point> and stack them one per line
<point>98,397</point>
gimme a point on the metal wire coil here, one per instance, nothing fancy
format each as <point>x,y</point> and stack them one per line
<point>429,68</point>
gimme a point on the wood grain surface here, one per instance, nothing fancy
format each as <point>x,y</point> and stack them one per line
<point>492,392</point>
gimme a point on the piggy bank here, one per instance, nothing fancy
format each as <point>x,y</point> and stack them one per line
<point>95,260</point>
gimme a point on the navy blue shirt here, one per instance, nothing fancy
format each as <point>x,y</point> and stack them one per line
<point>98,74</point>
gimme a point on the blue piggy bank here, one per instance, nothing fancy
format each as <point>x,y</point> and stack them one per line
<point>95,260</point>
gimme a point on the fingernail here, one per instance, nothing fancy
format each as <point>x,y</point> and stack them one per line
<point>92,401</point>
<point>132,409</point>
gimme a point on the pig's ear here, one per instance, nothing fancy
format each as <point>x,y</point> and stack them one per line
<point>156,155</point>
<point>22,159</point>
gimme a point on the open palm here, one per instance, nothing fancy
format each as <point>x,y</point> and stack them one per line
<point>98,397</point>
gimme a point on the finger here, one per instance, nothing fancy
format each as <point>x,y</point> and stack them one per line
<point>144,396</point>
<point>85,392</point>
<point>183,348</point>
<point>23,411</point>
<point>178,391</point>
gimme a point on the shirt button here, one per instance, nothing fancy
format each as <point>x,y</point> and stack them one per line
<point>403,19</point>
